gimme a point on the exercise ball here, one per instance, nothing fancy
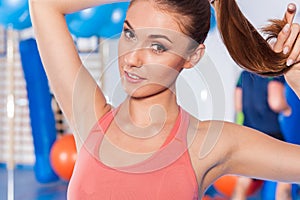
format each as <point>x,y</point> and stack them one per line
<point>206,197</point>
<point>86,23</point>
<point>15,13</point>
<point>63,156</point>
<point>226,184</point>
<point>113,24</point>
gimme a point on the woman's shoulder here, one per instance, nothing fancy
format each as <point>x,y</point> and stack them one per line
<point>210,137</point>
<point>208,128</point>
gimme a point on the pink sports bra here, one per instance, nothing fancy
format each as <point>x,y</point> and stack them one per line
<point>166,175</point>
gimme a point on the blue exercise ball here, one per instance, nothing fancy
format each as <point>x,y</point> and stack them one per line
<point>15,13</point>
<point>114,22</point>
<point>104,21</point>
<point>86,23</point>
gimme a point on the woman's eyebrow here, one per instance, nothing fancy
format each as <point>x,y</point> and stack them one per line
<point>159,36</point>
<point>153,36</point>
<point>128,24</point>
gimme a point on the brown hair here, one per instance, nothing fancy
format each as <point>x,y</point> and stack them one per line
<point>193,16</point>
<point>246,46</point>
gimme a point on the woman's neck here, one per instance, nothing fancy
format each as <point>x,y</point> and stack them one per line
<point>143,112</point>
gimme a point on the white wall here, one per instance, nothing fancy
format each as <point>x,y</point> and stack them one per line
<point>259,11</point>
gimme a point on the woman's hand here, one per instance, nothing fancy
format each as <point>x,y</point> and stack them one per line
<point>288,42</point>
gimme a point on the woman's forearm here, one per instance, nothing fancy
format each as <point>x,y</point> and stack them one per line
<point>69,6</point>
<point>57,50</point>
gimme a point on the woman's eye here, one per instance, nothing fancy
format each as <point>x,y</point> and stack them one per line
<point>158,48</point>
<point>129,34</point>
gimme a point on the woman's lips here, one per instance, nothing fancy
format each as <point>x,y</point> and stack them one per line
<point>133,78</point>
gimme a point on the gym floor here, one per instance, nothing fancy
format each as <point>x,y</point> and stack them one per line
<point>27,188</point>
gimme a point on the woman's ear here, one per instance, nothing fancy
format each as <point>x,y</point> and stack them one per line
<point>195,57</point>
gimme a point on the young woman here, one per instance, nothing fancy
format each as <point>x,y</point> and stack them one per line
<point>149,147</point>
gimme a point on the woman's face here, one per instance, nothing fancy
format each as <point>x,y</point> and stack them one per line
<point>152,50</point>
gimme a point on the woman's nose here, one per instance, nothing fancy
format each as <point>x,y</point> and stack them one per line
<point>134,58</point>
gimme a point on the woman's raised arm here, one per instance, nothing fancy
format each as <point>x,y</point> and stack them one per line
<point>75,90</point>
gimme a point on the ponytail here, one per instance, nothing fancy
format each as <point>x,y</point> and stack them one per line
<point>245,45</point>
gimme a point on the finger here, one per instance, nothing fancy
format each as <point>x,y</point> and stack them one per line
<point>282,38</point>
<point>290,13</point>
<point>289,43</point>
<point>298,59</point>
<point>283,43</point>
<point>295,53</point>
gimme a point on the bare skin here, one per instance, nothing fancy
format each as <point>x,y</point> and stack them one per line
<point>216,148</point>
<point>289,42</point>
